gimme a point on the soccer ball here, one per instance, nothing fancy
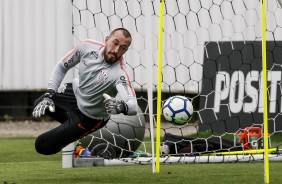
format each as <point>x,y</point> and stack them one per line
<point>177,110</point>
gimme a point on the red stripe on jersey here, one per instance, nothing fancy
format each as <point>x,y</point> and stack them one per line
<point>85,41</point>
<point>121,66</point>
<point>95,43</point>
<point>68,55</point>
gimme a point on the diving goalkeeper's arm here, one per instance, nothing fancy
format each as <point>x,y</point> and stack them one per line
<point>57,76</point>
<point>126,103</point>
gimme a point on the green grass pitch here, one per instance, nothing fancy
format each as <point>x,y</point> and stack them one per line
<point>20,164</point>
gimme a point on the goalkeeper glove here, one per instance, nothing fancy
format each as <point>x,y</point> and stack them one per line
<point>46,101</point>
<point>114,106</point>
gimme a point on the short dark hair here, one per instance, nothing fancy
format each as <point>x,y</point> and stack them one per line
<point>125,32</point>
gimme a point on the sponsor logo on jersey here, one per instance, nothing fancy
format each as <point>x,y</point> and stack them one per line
<point>75,55</point>
<point>66,64</point>
<point>124,83</point>
<point>102,76</point>
<point>93,55</point>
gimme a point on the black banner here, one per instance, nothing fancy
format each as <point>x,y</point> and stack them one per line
<point>232,93</point>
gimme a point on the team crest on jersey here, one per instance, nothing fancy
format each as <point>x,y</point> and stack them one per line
<point>93,55</point>
<point>102,77</point>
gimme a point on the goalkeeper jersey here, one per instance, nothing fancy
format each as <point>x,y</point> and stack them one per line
<point>95,77</point>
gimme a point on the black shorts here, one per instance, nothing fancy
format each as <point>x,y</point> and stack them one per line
<point>74,124</point>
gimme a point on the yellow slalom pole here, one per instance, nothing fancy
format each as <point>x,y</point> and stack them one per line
<point>245,152</point>
<point>265,102</point>
<point>159,87</point>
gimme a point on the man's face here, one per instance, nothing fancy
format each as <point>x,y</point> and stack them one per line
<point>116,45</point>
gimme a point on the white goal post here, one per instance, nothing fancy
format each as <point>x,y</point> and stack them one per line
<point>212,55</point>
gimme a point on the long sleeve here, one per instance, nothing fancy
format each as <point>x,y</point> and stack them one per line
<point>127,94</point>
<point>57,76</point>
<point>60,70</point>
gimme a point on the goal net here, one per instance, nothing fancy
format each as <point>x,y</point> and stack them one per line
<point>212,55</point>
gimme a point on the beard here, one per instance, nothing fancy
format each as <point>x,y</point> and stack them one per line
<point>110,57</point>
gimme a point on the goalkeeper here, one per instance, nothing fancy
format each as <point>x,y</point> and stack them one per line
<point>85,105</point>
